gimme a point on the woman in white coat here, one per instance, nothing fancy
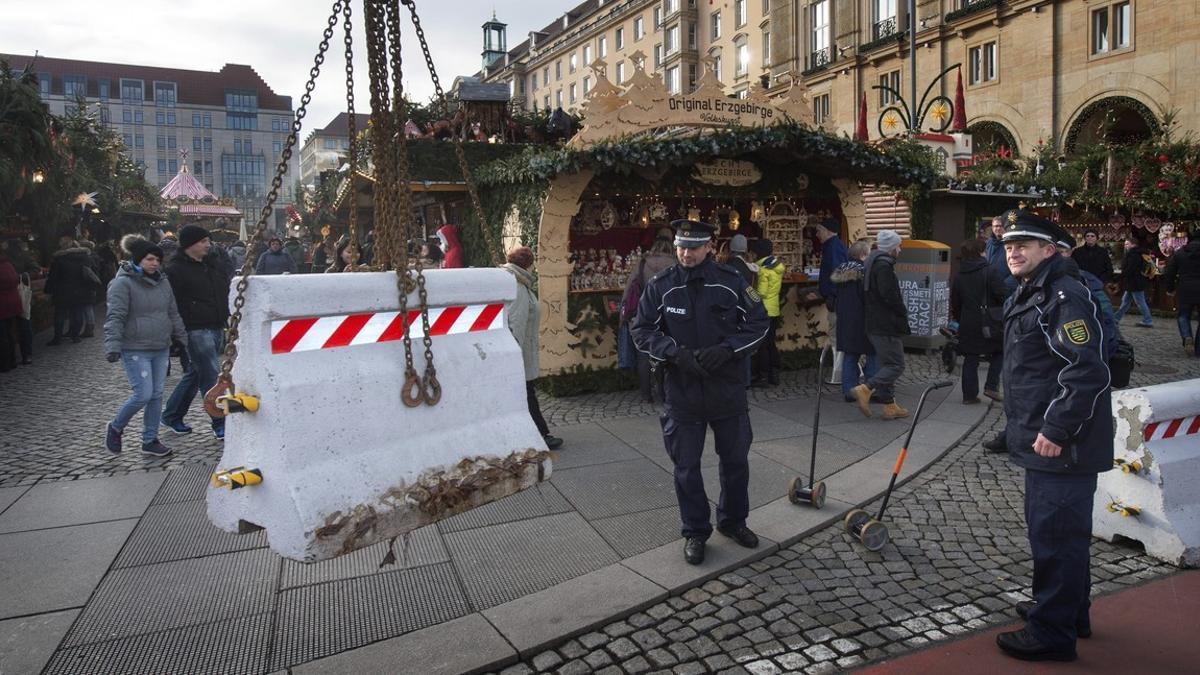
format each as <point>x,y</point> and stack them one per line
<point>523,317</point>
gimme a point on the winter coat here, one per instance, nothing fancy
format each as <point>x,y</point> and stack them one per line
<point>142,314</point>
<point>770,283</point>
<point>833,256</point>
<point>524,315</point>
<point>1183,273</point>
<point>1094,259</point>
<point>201,290</point>
<point>237,254</point>
<point>851,308</point>
<point>294,249</point>
<point>748,270</point>
<point>67,282</point>
<point>651,264</point>
<point>886,312</point>
<point>10,298</point>
<point>1132,266</point>
<point>272,262</point>
<point>998,260</point>
<point>977,285</point>
<point>448,234</point>
<point>1056,377</point>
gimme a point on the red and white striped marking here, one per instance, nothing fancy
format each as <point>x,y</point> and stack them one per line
<point>1157,431</point>
<point>328,332</point>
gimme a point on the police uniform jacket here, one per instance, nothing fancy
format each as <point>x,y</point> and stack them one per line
<point>693,308</point>
<point>1055,374</point>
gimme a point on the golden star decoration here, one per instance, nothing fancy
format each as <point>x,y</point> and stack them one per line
<point>85,199</point>
<point>890,121</point>
<point>939,112</point>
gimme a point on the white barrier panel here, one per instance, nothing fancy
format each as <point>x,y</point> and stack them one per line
<point>1153,497</point>
<point>343,462</point>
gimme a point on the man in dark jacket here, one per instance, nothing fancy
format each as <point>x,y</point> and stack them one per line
<point>275,260</point>
<point>201,287</point>
<point>1133,278</point>
<point>976,300</point>
<point>1059,428</point>
<point>72,283</point>
<point>851,325</point>
<point>887,324</point>
<point>1183,278</point>
<point>703,320</point>
<point>1093,258</point>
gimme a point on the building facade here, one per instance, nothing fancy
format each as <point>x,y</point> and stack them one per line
<point>230,125</point>
<point>324,147</point>
<point>1056,71</point>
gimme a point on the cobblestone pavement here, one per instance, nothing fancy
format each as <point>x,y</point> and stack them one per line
<point>957,563</point>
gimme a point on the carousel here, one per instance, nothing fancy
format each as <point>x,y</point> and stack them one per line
<point>196,204</point>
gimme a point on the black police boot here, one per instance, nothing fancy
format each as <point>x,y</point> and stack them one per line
<point>693,550</point>
<point>741,534</point>
<point>1026,606</point>
<point>1020,644</point>
<point>997,444</point>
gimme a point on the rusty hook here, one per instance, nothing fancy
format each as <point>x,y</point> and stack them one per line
<point>414,390</point>
<point>223,386</point>
<point>433,388</point>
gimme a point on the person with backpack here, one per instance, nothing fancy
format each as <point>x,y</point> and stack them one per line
<point>1137,268</point>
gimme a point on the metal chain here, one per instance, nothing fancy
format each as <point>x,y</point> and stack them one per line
<point>477,206</point>
<point>352,126</point>
<point>235,319</point>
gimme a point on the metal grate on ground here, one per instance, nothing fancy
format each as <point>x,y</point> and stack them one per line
<point>421,547</point>
<point>185,484</point>
<point>636,533</point>
<point>179,531</point>
<point>317,621</point>
<point>615,489</point>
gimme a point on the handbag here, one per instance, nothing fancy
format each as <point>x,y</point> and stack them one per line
<point>1120,364</point>
<point>25,291</point>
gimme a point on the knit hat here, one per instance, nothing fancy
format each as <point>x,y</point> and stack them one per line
<point>763,247</point>
<point>138,248</point>
<point>190,234</point>
<point>738,244</point>
<point>887,240</point>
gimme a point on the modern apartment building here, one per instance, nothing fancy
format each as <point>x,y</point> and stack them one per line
<point>323,147</point>
<point>231,124</point>
<point>1059,71</point>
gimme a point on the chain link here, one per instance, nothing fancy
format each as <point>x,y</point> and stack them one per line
<point>352,126</point>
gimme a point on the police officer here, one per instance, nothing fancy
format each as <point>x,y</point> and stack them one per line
<point>703,320</point>
<point>1059,429</point>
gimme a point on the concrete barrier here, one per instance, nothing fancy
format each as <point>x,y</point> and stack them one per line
<point>1154,495</point>
<point>343,462</point>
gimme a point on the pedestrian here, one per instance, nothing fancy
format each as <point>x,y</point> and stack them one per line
<point>275,260</point>
<point>201,290</point>
<point>451,248</point>
<point>1137,268</point>
<point>702,320</point>
<point>1182,277</point>
<point>343,257</point>
<point>995,254</point>
<point>769,285</point>
<point>887,324</point>
<point>368,249</point>
<point>295,249</point>
<point>1059,430</point>
<point>653,262</point>
<point>237,255</point>
<point>10,310</point>
<point>852,320</point>
<point>72,284</point>
<point>1108,321</point>
<point>523,318</point>
<point>1093,258</point>
<point>431,255</point>
<point>739,258</point>
<point>977,304</point>
<point>142,323</point>
<point>89,307</point>
<point>324,255</point>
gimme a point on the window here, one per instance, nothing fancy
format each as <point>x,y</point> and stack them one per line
<point>277,147</point>
<point>743,59</point>
<point>587,85</point>
<point>715,33</point>
<point>716,67</point>
<point>330,144</point>
<point>208,169</point>
<point>160,118</point>
<point>139,141</point>
<point>891,80</point>
<point>246,146</point>
<point>244,121</point>
<point>658,54</point>
<point>1122,25</point>
<point>1112,28</point>
<point>127,116</point>
<point>884,18</point>
<point>557,70</point>
<point>171,142</point>
<point>673,80</point>
<point>546,102</point>
<point>670,7</point>
<point>572,92</point>
<point>173,165</point>
<point>131,91</point>
<point>639,30</point>
<point>620,72</point>
<point>671,40</point>
<point>1100,31</point>
<point>742,94</point>
<point>602,49</point>
<point>739,13</point>
<point>558,98</point>
<point>103,87</point>
<point>692,72</point>
<point>766,49</point>
<point>818,17</point>
<point>766,7</point>
<point>137,117</point>
<point>196,143</point>
<point>197,167</point>
<point>241,101</point>
<point>620,38</point>
<point>691,27</point>
<point>533,82</point>
<point>127,139</point>
<point>207,120</point>
<point>74,86</point>
<point>587,55</point>
<point>208,145</point>
<point>162,165</point>
<point>237,145</point>
<point>571,63</point>
<point>164,94</point>
<point>105,114</point>
<point>821,108</point>
<point>657,18</point>
<point>546,76</point>
<point>982,63</point>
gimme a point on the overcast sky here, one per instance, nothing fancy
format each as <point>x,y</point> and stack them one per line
<point>277,38</point>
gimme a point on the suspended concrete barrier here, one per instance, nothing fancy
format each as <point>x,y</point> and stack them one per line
<point>1152,497</point>
<point>320,450</point>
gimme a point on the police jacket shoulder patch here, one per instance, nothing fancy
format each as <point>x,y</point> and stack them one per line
<point>1077,332</point>
<point>752,294</point>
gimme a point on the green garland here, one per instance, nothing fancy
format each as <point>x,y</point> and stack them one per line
<point>969,9</point>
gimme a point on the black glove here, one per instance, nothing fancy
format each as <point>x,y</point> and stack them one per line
<point>685,361</point>
<point>113,357</point>
<point>714,357</point>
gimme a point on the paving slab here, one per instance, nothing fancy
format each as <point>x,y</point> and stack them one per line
<point>82,501</point>
<point>614,489</point>
<point>787,523</point>
<point>465,645</point>
<point>635,533</point>
<point>768,425</point>
<point>181,530</point>
<point>540,500</point>
<point>666,567</point>
<point>644,434</point>
<point>833,409</point>
<point>768,481</point>
<point>588,444</point>
<point>833,453</point>
<point>48,570</point>
<point>419,548</point>
<point>10,495</point>
<point>535,621</point>
<point>28,642</point>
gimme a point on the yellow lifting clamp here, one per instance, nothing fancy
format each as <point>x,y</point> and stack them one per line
<point>1128,467</point>
<point>236,403</point>
<point>237,477</point>
<point>1125,510</point>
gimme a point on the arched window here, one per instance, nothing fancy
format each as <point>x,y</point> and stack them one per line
<point>1115,119</point>
<point>992,137</point>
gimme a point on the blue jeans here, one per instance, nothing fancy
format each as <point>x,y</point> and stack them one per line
<point>1185,322</point>
<point>204,352</point>
<point>970,374</point>
<point>850,378</point>
<point>1058,512</point>
<point>1128,299</point>
<point>147,373</point>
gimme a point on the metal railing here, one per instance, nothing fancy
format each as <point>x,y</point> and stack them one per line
<point>820,58</point>
<point>884,28</point>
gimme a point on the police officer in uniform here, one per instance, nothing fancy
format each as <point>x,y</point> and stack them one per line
<point>1060,429</point>
<point>703,320</point>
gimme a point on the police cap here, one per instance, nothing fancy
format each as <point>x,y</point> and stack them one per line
<point>1064,239</point>
<point>1023,225</point>
<point>693,233</point>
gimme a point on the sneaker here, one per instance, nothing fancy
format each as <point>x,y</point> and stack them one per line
<point>1025,606</point>
<point>994,395</point>
<point>1144,325</point>
<point>177,426</point>
<point>112,438</point>
<point>155,448</point>
<point>219,432</point>
<point>552,442</point>
<point>1021,644</point>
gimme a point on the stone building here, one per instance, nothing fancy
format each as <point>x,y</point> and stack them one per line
<point>323,148</point>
